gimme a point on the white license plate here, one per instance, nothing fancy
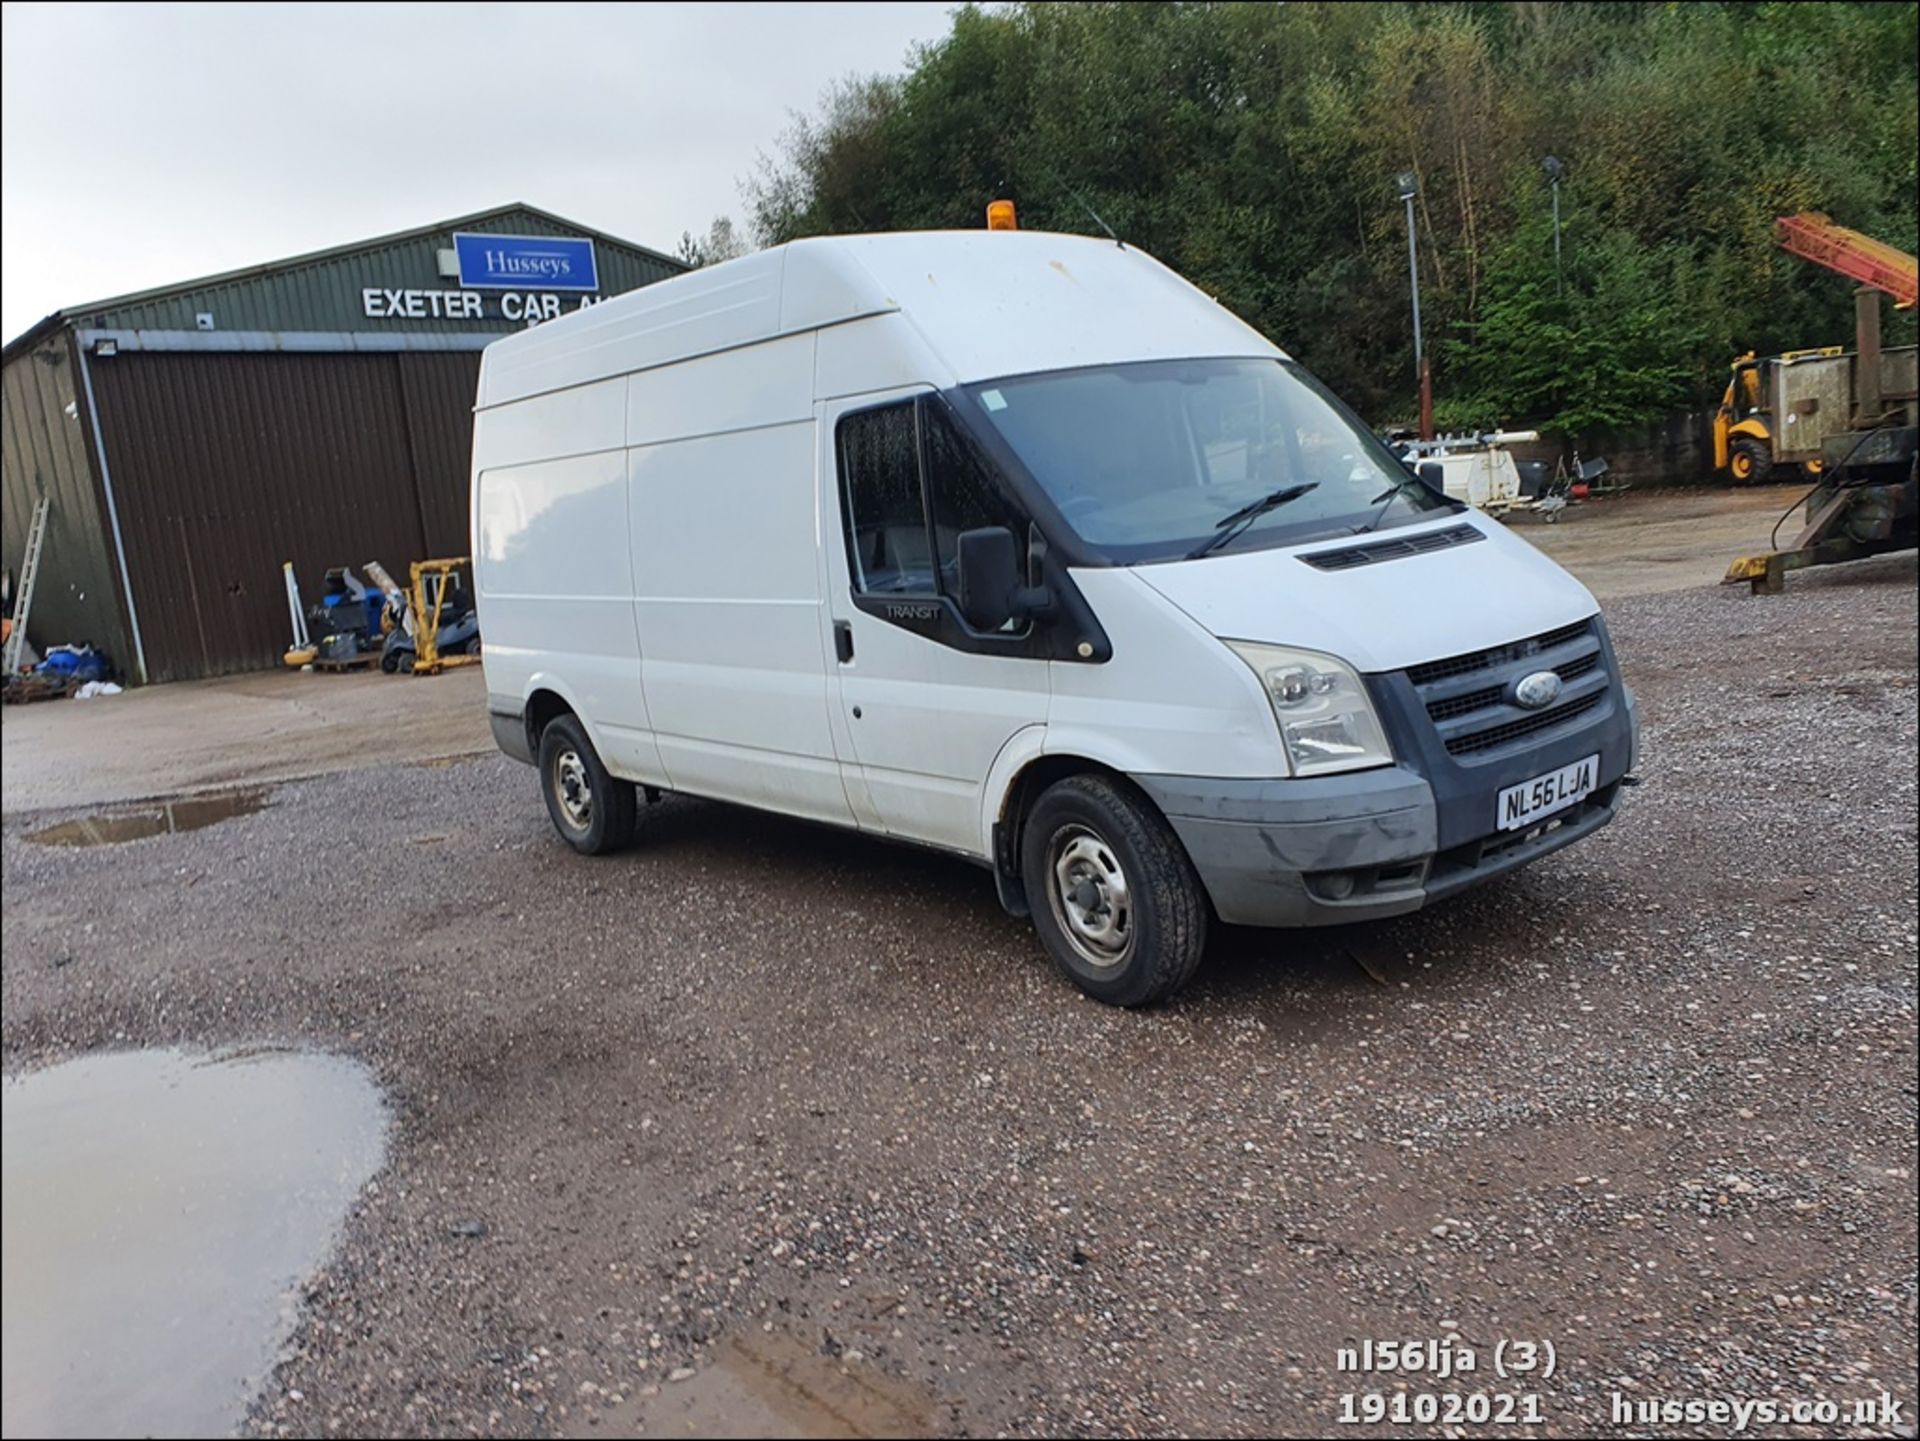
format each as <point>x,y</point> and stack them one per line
<point>1520,806</point>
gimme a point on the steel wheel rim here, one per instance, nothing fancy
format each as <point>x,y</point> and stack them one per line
<point>1091,899</point>
<point>573,788</point>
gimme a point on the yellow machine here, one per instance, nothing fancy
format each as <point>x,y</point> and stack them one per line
<point>1786,408</point>
<point>1859,413</point>
<point>1748,422</point>
<point>428,602</point>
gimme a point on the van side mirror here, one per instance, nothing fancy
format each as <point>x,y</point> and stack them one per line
<point>1433,475</point>
<point>993,587</point>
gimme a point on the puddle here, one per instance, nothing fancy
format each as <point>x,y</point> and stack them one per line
<point>158,820</point>
<point>157,1214</point>
<point>772,1384</point>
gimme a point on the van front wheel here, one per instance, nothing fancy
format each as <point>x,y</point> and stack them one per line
<point>1118,905</point>
<point>593,811</point>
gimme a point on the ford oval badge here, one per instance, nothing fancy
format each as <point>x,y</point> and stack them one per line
<point>1537,691</point>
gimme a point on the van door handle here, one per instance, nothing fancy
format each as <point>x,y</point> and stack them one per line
<point>843,641</point>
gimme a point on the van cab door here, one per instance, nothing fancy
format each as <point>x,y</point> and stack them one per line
<point>925,702</point>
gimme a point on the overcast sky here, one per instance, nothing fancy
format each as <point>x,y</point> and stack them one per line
<point>141,145</point>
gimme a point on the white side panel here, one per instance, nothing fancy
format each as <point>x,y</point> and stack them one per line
<point>555,582</point>
<point>1171,701</point>
<point>693,314</point>
<point>884,352</point>
<point>568,422</point>
<point>1023,747</point>
<point>824,286</point>
<point>757,385</point>
<point>932,720</point>
<point>989,303</point>
<point>727,600</point>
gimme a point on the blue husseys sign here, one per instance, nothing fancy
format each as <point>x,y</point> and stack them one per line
<point>525,262</point>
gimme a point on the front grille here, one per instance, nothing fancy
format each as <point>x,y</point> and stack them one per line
<point>1500,735</point>
<point>1393,547</point>
<point>1467,697</point>
<point>1475,700</point>
<point>1574,669</point>
<point>1466,704</point>
<point>1500,655</point>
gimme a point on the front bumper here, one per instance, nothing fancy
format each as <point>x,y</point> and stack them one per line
<point>1384,842</point>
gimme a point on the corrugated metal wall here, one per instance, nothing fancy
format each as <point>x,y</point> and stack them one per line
<point>436,390</point>
<point>44,442</point>
<point>224,465</point>
<point>324,294</point>
<point>224,462</point>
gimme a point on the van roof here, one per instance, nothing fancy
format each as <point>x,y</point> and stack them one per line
<point>987,303</point>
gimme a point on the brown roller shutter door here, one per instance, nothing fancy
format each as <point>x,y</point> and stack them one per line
<point>225,465</point>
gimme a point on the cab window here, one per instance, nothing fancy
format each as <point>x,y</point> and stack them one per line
<point>910,484</point>
<point>887,549</point>
<point>959,494</point>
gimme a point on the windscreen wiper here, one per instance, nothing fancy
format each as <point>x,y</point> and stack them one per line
<point>1385,501</point>
<point>1229,526</point>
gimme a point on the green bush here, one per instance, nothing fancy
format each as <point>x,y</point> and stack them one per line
<point>1598,340</point>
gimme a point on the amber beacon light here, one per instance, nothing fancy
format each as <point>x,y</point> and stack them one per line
<point>1000,215</point>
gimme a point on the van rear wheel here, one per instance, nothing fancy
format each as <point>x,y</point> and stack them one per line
<point>593,811</point>
<point>1116,901</point>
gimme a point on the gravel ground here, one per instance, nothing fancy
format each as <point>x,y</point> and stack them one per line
<point>1652,1099</point>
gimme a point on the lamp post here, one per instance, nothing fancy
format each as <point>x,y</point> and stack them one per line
<point>1555,170</point>
<point>1408,187</point>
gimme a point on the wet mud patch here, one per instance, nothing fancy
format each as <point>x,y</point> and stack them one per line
<point>770,1384</point>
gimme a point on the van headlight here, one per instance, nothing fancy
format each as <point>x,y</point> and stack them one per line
<point>1326,721</point>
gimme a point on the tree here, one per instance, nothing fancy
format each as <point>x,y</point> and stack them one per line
<point>1253,148</point>
<point>832,171</point>
<point>718,244</point>
<point>1601,341</point>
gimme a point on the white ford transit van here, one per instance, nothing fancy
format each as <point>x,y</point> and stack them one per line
<point>1020,546</point>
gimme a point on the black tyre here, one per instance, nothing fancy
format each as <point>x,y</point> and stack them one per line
<point>1114,897</point>
<point>1751,461</point>
<point>390,660</point>
<point>593,811</point>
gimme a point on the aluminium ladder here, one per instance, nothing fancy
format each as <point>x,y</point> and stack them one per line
<point>29,573</point>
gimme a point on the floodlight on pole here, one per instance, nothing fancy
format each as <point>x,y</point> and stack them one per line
<point>1407,186</point>
<point>1555,170</point>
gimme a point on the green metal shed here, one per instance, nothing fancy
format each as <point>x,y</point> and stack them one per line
<point>317,409</point>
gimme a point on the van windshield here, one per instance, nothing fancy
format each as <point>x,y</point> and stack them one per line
<point>1150,461</point>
